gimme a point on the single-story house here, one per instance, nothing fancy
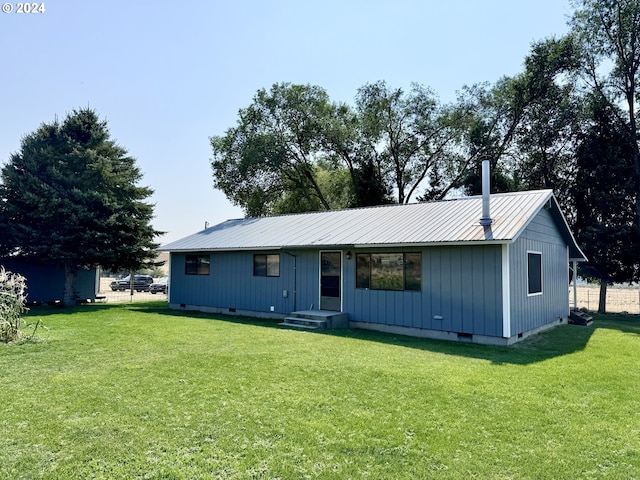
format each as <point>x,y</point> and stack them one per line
<point>45,282</point>
<point>490,268</point>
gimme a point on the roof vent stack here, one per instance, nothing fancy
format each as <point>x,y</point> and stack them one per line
<point>486,187</point>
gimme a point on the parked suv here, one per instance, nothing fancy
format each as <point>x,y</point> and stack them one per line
<point>140,283</point>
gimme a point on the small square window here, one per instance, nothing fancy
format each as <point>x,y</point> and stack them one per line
<point>197,265</point>
<point>266,265</point>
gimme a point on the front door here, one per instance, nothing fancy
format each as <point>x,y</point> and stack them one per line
<point>330,280</point>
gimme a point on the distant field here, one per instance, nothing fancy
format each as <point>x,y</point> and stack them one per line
<point>619,298</point>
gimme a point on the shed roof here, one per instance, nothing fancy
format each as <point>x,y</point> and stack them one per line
<point>446,222</point>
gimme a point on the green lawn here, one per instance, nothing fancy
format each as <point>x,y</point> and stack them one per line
<point>138,391</point>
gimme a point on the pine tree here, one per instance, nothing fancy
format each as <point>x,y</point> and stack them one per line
<point>70,196</point>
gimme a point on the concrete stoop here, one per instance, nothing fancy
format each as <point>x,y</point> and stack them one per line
<point>316,320</point>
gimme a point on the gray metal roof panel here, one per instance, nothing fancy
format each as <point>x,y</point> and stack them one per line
<point>447,221</point>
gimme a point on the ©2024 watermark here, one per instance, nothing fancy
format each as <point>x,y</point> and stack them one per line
<point>24,8</point>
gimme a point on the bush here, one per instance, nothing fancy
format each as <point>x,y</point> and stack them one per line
<point>12,304</point>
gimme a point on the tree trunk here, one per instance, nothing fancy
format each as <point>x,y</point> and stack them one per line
<point>70,283</point>
<point>602,303</point>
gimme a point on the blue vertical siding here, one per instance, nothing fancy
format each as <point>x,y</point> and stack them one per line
<point>530,312</point>
<point>232,285</point>
<point>45,282</point>
<point>461,284</point>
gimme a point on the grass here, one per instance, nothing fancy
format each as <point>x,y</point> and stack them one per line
<point>138,391</point>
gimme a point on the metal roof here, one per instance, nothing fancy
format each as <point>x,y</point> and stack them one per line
<point>454,221</point>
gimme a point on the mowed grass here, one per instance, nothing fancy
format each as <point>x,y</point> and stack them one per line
<point>138,391</point>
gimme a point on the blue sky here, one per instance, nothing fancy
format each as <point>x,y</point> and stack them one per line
<point>168,75</point>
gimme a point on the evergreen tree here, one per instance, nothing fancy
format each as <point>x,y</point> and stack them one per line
<point>604,194</point>
<point>70,197</point>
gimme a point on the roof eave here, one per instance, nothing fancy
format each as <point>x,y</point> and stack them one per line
<point>342,246</point>
<point>575,252</point>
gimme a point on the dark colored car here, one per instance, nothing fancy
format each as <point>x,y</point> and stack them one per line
<point>161,285</point>
<point>140,283</point>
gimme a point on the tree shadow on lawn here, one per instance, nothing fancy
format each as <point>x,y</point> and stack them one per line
<point>623,322</point>
<point>59,309</point>
<point>561,340</point>
<point>555,342</point>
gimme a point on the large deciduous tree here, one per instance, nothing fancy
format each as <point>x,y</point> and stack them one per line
<point>70,196</point>
<point>392,144</point>
<point>495,112</point>
<point>546,137</point>
<point>525,124</point>
<point>411,139</point>
<point>271,153</point>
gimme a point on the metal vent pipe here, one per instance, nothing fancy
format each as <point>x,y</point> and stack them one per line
<point>486,188</point>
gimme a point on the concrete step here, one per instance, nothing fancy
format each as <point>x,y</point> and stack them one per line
<point>298,326</point>
<point>331,318</point>
<point>310,315</point>
<point>310,323</point>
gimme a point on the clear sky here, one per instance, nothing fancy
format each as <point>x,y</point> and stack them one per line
<point>169,75</point>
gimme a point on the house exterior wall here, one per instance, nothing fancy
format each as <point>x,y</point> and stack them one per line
<point>45,283</point>
<point>461,293</point>
<point>461,288</point>
<point>530,312</point>
<point>231,285</point>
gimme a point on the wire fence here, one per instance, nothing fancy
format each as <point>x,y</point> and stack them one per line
<point>106,294</point>
<point>620,299</point>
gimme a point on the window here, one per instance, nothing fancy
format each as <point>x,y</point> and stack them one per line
<point>389,271</point>
<point>266,265</point>
<point>413,271</point>
<point>363,270</point>
<point>197,265</point>
<point>534,273</point>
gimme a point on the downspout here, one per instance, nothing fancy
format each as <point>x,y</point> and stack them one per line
<point>295,278</point>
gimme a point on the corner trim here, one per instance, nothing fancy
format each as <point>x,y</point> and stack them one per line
<point>506,293</point>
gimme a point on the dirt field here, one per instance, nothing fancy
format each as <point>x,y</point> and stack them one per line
<point>619,298</point>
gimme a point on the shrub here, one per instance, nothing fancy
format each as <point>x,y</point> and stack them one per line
<point>12,304</point>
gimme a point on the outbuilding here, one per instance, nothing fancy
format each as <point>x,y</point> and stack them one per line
<point>489,269</point>
<point>45,281</point>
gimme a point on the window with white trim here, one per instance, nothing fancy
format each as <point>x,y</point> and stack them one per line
<point>534,273</point>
